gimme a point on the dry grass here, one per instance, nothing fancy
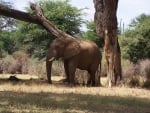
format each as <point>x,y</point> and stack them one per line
<point>137,75</point>
<point>35,96</point>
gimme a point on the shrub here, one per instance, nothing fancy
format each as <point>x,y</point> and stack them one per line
<point>145,68</point>
<point>23,59</point>
<point>38,68</point>
<point>137,74</point>
<point>133,81</point>
<point>8,64</point>
<point>58,68</point>
<point>81,77</point>
<point>1,67</point>
<point>130,69</point>
<point>145,71</point>
<point>15,63</point>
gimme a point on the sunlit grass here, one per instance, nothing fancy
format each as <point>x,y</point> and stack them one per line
<point>35,96</point>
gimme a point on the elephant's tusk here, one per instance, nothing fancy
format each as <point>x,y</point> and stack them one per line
<point>51,59</point>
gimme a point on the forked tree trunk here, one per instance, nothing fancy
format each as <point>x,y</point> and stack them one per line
<point>106,27</point>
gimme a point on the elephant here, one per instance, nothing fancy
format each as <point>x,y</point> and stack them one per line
<point>75,53</point>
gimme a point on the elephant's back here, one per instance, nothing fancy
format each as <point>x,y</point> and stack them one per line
<point>89,47</point>
<point>87,44</point>
<point>89,55</point>
<point>90,50</point>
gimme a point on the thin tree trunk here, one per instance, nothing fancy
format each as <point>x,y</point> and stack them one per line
<point>106,27</point>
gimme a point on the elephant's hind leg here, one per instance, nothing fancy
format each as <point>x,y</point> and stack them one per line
<point>91,80</point>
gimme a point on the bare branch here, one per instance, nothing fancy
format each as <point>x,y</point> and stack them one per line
<point>37,18</point>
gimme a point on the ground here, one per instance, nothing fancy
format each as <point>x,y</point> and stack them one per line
<point>32,95</point>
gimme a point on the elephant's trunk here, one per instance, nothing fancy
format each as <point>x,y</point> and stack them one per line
<point>48,69</point>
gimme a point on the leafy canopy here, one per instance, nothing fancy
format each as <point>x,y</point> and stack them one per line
<point>135,42</point>
<point>35,40</point>
<point>7,41</point>
<point>6,23</point>
<point>91,34</point>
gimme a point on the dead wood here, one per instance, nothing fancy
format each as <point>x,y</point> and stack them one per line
<point>37,18</point>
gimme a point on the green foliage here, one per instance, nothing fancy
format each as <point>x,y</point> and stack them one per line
<point>7,43</point>
<point>135,41</point>
<point>63,15</point>
<point>35,40</point>
<point>90,34</point>
<point>6,23</point>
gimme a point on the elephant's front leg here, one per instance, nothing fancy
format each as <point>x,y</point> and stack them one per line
<point>91,80</point>
<point>66,72</point>
<point>71,69</point>
<point>48,69</point>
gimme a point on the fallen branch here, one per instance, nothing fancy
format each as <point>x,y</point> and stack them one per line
<point>37,18</point>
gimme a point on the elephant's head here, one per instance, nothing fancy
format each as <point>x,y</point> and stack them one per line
<point>63,48</point>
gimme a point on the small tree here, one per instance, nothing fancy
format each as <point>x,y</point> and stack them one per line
<point>6,23</point>
<point>91,34</point>
<point>36,40</point>
<point>135,42</point>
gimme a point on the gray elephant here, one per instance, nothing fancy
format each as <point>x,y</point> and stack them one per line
<point>75,53</point>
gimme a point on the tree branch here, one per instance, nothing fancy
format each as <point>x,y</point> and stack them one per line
<point>18,15</point>
<point>38,18</point>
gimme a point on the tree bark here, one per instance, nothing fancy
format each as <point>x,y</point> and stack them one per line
<point>27,17</point>
<point>106,27</point>
<point>37,18</point>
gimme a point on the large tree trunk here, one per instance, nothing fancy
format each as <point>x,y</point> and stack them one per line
<point>106,27</point>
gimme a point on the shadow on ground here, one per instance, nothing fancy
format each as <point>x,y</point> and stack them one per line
<point>70,103</point>
<point>22,102</point>
<point>14,80</point>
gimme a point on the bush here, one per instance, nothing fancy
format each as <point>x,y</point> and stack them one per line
<point>22,58</point>
<point>10,65</point>
<point>135,41</point>
<point>145,71</point>
<point>81,77</point>
<point>15,64</point>
<point>58,68</point>
<point>36,67</point>
<point>137,75</point>
<point>145,68</point>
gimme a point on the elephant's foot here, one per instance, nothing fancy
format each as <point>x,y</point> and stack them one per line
<point>98,85</point>
<point>64,80</point>
<point>50,81</point>
<point>71,85</point>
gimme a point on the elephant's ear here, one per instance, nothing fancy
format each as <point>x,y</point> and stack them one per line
<point>72,49</point>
